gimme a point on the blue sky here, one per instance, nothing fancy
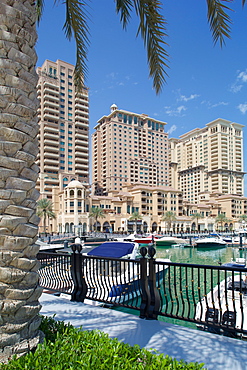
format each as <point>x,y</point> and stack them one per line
<point>205,82</point>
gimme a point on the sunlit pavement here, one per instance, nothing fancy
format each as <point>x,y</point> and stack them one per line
<point>215,351</point>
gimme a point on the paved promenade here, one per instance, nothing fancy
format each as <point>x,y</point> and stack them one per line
<point>215,351</point>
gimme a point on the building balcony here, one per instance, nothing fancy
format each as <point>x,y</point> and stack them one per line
<point>51,104</point>
<point>81,123</point>
<point>82,153</point>
<point>51,181</point>
<point>50,147</point>
<point>51,83</point>
<point>81,171</point>
<point>81,165</point>
<point>49,115</point>
<point>81,141</point>
<point>81,136</point>
<point>81,147</point>
<point>49,109</point>
<point>51,155</point>
<point>49,167</point>
<point>81,160</point>
<point>51,161</point>
<point>48,141</point>
<point>50,91</point>
<point>48,135</point>
<point>49,128</point>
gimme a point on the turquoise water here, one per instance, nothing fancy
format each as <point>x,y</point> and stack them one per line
<point>201,256</point>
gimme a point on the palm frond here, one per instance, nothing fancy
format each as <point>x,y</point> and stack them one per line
<point>39,9</point>
<point>219,19</point>
<point>152,27</point>
<point>76,25</point>
<point>124,7</point>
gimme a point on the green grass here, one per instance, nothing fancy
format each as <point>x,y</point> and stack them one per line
<point>67,348</point>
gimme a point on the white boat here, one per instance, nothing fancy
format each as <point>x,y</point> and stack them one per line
<point>226,304</point>
<point>210,242</point>
<point>43,246</point>
<point>167,241</point>
<point>116,279</point>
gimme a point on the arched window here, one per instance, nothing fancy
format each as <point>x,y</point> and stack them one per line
<point>106,227</point>
<point>145,227</point>
<point>71,227</point>
<point>154,226</point>
<point>71,193</point>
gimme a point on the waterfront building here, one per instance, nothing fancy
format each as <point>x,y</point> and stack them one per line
<point>72,207</point>
<point>64,128</point>
<point>128,148</point>
<point>208,160</point>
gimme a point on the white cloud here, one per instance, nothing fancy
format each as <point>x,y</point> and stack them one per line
<point>238,84</point>
<point>218,104</point>
<point>235,87</point>
<point>171,129</point>
<point>242,76</point>
<point>175,112</point>
<point>191,97</point>
<point>242,108</point>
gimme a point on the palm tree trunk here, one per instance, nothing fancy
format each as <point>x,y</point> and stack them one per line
<point>19,288</point>
<point>44,224</point>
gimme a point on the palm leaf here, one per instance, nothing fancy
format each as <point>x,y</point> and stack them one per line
<point>152,28</point>
<point>76,25</point>
<point>39,9</point>
<point>124,7</point>
<point>219,20</point>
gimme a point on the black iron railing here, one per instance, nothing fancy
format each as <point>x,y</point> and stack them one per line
<point>55,272</point>
<point>214,298</point>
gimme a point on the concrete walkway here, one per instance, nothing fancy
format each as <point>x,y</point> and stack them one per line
<point>215,351</point>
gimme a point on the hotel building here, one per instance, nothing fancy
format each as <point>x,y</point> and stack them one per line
<point>208,160</point>
<point>128,148</point>
<point>64,128</point>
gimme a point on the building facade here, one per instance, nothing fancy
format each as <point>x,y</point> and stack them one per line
<point>208,160</point>
<point>72,206</point>
<point>128,148</point>
<point>64,128</point>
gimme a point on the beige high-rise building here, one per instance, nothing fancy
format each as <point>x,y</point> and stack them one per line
<point>128,148</point>
<point>64,128</point>
<point>208,160</point>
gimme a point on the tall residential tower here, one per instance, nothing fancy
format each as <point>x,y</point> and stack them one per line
<point>128,148</point>
<point>208,160</point>
<point>64,128</point>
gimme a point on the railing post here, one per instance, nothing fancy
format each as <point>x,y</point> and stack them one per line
<point>80,287</point>
<point>145,294</point>
<point>154,306</point>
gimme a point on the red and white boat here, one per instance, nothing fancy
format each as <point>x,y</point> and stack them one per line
<point>146,239</point>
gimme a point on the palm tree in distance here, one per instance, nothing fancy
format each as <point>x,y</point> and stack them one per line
<point>19,143</point>
<point>135,217</point>
<point>220,219</point>
<point>243,218</point>
<point>169,217</point>
<point>44,210</point>
<point>197,216</point>
<point>96,213</point>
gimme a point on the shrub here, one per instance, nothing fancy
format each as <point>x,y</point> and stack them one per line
<point>67,348</point>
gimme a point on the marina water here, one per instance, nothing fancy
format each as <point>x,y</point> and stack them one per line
<point>200,256</point>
